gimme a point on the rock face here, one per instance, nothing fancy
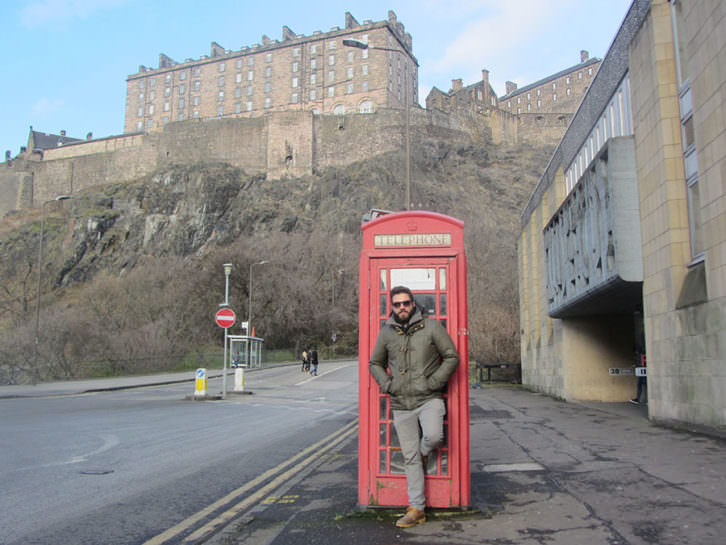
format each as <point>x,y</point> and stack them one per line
<point>191,211</point>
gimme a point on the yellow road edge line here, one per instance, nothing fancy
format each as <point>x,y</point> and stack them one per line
<point>245,504</point>
<point>199,515</point>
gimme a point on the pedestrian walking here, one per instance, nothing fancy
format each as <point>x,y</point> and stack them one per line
<point>304,357</point>
<point>314,362</point>
<point>421,357</point>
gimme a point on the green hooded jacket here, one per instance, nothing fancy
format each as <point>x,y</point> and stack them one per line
<point>420,357</point>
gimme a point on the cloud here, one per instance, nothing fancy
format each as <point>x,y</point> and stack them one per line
<point>497,30</point>
<point>43,12</point>
<point>45,107</point>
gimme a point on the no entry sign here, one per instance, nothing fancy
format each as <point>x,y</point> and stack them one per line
<point>225,318</point>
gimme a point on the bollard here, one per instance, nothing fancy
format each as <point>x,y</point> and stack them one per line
<point>200,384</point>
<point>239,379</point>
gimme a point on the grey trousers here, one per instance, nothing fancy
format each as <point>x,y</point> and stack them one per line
<point>419,432</point>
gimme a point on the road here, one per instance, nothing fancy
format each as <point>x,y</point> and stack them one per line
<point>148,466</point>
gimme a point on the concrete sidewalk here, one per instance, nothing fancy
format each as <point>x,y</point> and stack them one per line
<point>543,471</point>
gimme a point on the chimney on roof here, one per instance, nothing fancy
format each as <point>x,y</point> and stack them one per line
<point>456,85</point>
<point>584,55</point>
<point>63,132</point>
<point>509,87</point>
<point>485,76</point>
<point>287,34</point>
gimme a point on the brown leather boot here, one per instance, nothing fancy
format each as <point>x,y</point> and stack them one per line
<point>412,517</point>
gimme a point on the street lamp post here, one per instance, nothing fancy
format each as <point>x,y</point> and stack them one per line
<point>227,271</point>
<point>40,262</point>
<point>363,45</point>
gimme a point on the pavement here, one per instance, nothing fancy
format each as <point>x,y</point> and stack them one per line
<point>543,471</point>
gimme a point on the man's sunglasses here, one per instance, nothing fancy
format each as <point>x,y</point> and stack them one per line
<point>399,304</point>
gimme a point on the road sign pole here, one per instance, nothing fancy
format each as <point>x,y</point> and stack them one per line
<point>224,366</point>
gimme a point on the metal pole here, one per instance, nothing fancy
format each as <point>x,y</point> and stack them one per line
<point>227,272</point>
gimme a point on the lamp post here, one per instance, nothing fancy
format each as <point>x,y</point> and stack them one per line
<point>227,271</point>
<point>40,261</point>
<point>363,45</point>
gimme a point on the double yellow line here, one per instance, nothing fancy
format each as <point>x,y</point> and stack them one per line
<point>283,471</point>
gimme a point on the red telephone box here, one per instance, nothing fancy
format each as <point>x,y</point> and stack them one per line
<point>425,252</point>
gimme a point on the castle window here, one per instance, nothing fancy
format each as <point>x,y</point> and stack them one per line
<point>350,88</point>
<point>165,119</point>
<point>493,100</point>
<point>237,92</point>
<point>569,91</point>
<point>509,104</point>
<point>313,94</point>
<point>268,71</point>
<point>150,124</point>
<point>140,112</point>
<point>166,107</point>
<point>295,66</point>
<point>331,75</point>
<point>589,71</point>
<point>364,54</point>
<point>237,107</point>
<point>313,79</point>
<point>529,106</point>
<point>366,107</point>
<point>314,48</point>
<point>220,110</point>
<point>221,81</point>
<point>249,90</point>
<point>519,100</point>
<point>220,96</point>
<point>152,95</point>
<point>222,67</point>
<point>268,102</point>
<point>331,91</point>
<point>519,110</point>
<point>554,86</point>
<point>195,100</point>
<point>182,88</point>
<point>250,61</point>
<point>151,109</point>
<point>349,72</point>
<point>539,103</point>
<point>313,63</point>
<point>268,57</point>
<point>195,85</point>
<point>296,52</point>
<point>238,78</point>
<point>183,76</point>
<point>351,56</point>
<point>238,64</point>
<point>268,87</point>
<point>152,82</point>
<point>364,69</point>
<point>294,82</point>
<point>139,125</point>
<point>554,97</point>
<point>529,96</point>
<point>579,75</point>
<point>142,84</point>
<point>249,105</point>
<point>180,116</point>
<point>167,91</point>
<point>567,80</point>
<point>294,98</point>
<point>364,86</point>
<point>331,60</point>
<point>197,71</point>
<point>331,44</point>
<point>181,103</point>
<point>539,92</point>
<point>141,97</point>
<point>250,75</point>
<point>195,114</point>
<point>339,109</point>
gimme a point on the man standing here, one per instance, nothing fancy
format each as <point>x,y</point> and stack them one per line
<point>421,357</point>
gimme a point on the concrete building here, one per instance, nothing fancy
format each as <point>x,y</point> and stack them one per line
<point>623,244</point>
<point>316,73</point>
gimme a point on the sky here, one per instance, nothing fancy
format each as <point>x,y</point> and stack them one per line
<point>66,61</point>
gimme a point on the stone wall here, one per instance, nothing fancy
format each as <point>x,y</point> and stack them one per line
<point>294,143</point>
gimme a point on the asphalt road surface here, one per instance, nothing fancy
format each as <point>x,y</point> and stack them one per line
<point>147,465</point>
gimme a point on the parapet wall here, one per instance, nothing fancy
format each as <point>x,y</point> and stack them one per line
<point>279,144</point>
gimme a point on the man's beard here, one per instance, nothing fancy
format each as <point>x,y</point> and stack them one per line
<point>400,320</point>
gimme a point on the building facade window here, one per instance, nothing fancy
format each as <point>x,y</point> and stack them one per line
<point>313,94</point>
<point>268,57</point>
<point>331,60</point>
<point>196,85</point>
<point>181,103</point>
<point>294,98</point>
<point>295,67</point>
<point>268,71</point>
<point>313,63</point>
<point>220,110</point>
<point>220,96</point>
<point>221,81</point>
<point>183,76</point>
<point>364,69</point>
<point>294,82</point>
<point>222,66</point>
<point>195,100</point>
<point>268,102</point>
<point>349,72</point>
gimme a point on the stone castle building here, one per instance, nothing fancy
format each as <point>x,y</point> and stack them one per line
<point>622,251</point>
<point>282,108</point>
<point>321,73</point>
